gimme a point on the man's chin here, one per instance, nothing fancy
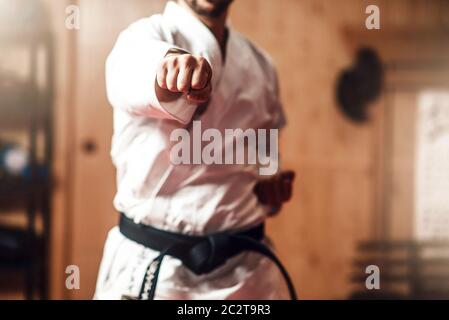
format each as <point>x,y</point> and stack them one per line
<point>219,2</point>
<point>212,8</point>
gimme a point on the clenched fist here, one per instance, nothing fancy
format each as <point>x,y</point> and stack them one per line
<point>276,190</point>
<point>180,73</point>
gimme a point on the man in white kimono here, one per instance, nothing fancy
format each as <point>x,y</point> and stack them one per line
<point>164,72</point>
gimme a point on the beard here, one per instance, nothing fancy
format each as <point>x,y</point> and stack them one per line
<point>218,8</point>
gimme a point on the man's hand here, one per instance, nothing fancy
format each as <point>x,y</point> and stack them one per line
<point>275,191</point>
<point>181,73</point>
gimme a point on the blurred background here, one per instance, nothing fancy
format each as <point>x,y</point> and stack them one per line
<point>368,137</point>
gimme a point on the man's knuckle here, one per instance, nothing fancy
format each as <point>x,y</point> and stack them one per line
<point>182,85</point>
<point>160,74</point>
<point>171,85</point>
<point>202,62</point>
<point>164,65</point>
<point>183,61</point>
<point>172,62</point>
<point>189,59</point>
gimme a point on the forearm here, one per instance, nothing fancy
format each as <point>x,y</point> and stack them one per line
<point>131,71</point>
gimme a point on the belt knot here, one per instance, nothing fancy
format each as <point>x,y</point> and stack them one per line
<point>210,253</point>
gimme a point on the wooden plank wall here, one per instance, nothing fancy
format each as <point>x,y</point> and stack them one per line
<point>336,202</point>
<point>336,194</point>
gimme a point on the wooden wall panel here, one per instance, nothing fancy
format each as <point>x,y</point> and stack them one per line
<point>336,201</point>
<point>402,164</point>
<point>64,90</point>
<point>334,160</point>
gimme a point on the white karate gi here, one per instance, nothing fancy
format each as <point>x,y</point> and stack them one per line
<point>190,199</point>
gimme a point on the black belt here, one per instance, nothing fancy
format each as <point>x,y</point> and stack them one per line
<point>201,254</point>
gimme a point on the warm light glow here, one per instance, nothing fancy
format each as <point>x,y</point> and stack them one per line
<point>432,166</point>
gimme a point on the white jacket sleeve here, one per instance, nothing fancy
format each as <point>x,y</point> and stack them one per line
<point>131,75</point>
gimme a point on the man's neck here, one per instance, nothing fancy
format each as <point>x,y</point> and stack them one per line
<point>216,25</point>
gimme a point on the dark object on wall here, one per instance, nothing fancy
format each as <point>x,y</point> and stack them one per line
<point>359,85</point>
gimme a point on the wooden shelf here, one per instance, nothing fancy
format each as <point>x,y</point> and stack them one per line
<point>20,106</point>
<point>12,286</point>
<point>12,294</point>
<point>24,38</point>
<point>17,247</point>
<point>12,185</point>
<point>26,106</point>
<point>14,191</point>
